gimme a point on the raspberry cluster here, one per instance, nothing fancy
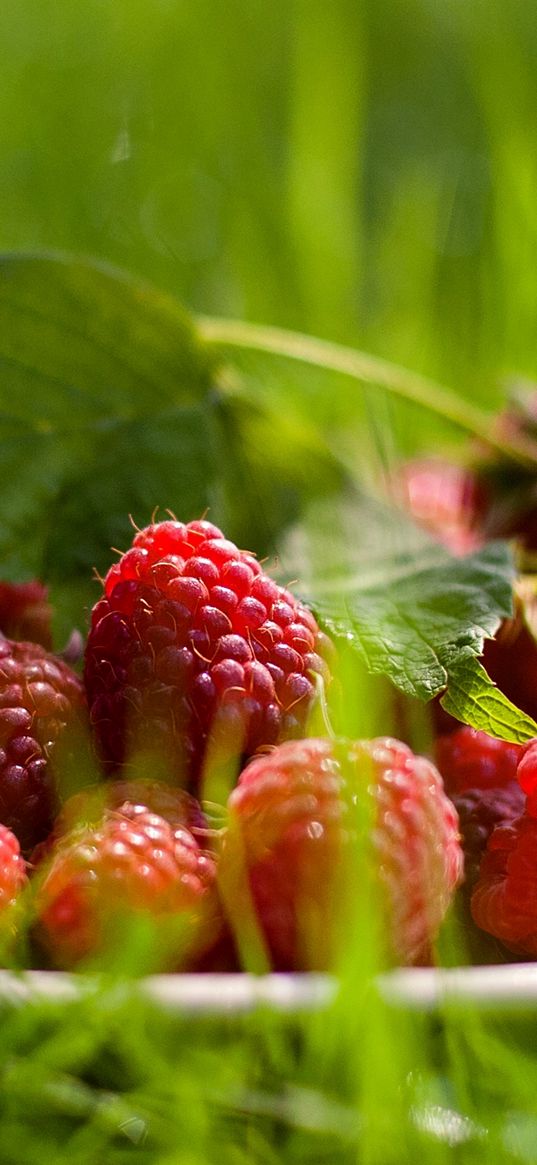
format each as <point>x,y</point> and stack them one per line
<point>198,662</point>
<point>493,785</point>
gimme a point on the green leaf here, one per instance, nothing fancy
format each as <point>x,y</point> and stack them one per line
<point>472,697</point>
<point>411,610</point>
<point>112,405</point>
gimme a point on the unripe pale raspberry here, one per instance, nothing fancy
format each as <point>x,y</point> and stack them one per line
<point>131,865</point>
<point>195,654</point>
<point>294,817</point>
<point>449,500</point>
<point>42,705</point>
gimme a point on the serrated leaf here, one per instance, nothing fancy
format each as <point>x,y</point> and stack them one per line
<point>472,697</point>
<point>411,610</point>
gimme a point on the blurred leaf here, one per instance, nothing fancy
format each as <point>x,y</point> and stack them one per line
<point>234,337</point>
<point>110,406</point>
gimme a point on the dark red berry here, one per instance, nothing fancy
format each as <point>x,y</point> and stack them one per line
<point>42,710</point>
<point>480,811</point>
<point>468,759</point>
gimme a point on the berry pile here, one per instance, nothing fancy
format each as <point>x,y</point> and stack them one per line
<point>197,662</point>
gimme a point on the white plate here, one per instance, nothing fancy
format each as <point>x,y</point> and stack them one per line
<point>511,987</point>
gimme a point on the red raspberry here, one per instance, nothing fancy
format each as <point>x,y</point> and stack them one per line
<point>87,806</point>
<point>293,818</point>
<point>504,901</point>
<point>25,612</point>
<point>470,759</point>
<point>527,775</point>
<point>12,869</point>
<point>447,499</point>
<point>41,707</point>
<point>132,865</point>
<point>480,810</point>
<point>196,654</point>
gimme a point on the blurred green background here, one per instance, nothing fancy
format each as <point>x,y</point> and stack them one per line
<point>365,171</point>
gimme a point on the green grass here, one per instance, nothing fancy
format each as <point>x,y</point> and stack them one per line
<point>365,173</point>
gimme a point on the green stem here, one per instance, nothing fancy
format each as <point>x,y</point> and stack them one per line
<point>368,369</point>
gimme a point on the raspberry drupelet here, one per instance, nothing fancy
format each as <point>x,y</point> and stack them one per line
<point>197,654</point>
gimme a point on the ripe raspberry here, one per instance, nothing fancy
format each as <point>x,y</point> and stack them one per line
<point>25,612</point>
<point>197,654</point>
<point>132,865</point>
<point>480,810</point>
<point>293,819</point>
<point>12,869</point>
<point>504,901</point>
<point>41,701</point>
<point>527,775</point>
<point>447,499</point>
<point>469,759</point>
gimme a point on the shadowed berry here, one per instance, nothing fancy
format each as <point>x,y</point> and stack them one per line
<point>470,759</point>
<point>41,705</point>
<point>480,811</point>
<point>504,901</point>
<point>25,612</point>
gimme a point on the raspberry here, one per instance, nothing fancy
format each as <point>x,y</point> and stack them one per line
<point>196,654</point>
<point>12,869</point>
<point>527,775</point>
<point>87,806</point>
<point>293,818</point>
<point>504,901</point>
<point>25,612</point>
<point>447,499</point>
<point>470,759</point>
<point>132,865</point>
<point>41,706</point>
<point>480,810</point>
